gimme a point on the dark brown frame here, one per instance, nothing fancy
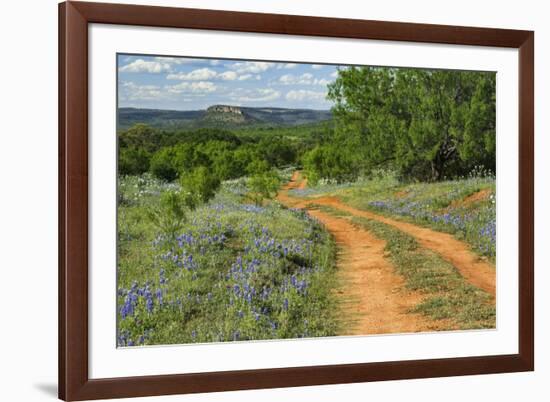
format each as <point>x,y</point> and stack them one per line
<point>74,18</point>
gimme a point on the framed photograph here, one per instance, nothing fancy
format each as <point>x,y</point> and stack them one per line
<point>260,200</point>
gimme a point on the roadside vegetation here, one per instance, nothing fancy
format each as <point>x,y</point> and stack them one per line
<point>229,271</point>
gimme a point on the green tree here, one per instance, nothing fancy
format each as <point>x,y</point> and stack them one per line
<point>244,155</point>
<point>198,186</point>
<point>163,164</point>
<point>263,183</point>
<point>257,166</point>
<point>277,151</point>
<point>133,161</point>
<point>426,124</point>
<point>168,162</point>
<point>140,136</point>
<point>330,162</point>
<point>169,216</point>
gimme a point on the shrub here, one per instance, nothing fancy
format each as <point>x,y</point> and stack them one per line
<point>263,185</point>
<point>198,186</point>
<point>133,161</point>
<point>163,164</point>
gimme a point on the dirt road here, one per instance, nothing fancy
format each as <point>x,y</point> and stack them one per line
<point>474,269</point>
<point>373,295</point>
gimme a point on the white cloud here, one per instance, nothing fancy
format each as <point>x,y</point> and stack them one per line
<point>287,66</point>
<point>303,94</point>
<point>175,60</point>
<point>130,91</point>
<point>334,74</point>
<point>203,74</point>
<point>254,95</point>
<point>228,76</point>
<point>214,62</point>
<point>200,87</point>
<point>304,79</point>
<point>142,66</point>
<point>316,66</point>
<point>203,86</point>
<point>287,79</point>
<point>196,75</point>
<point>251,67</point>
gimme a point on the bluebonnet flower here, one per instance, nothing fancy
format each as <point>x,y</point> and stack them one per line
<point>148,300</point>
<point>159,296</point>
<point>123,338</point>
<point>128,307</point>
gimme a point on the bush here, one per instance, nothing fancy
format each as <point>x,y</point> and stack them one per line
<point>133,161</point>
<point>170,214</point>
<point>263,185</point>
<point>198,186</point>
<point>163,164</point>
<point>330,162</point>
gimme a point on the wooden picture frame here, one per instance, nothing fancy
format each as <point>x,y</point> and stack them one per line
<point>74,381</point>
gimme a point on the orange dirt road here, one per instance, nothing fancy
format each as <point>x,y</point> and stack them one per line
<point>475,270</point>
<point>373,295</point>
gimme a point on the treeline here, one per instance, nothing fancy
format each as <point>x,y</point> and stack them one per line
<point>423,124</point>
<point>426,125</point>
<point>168,154</point>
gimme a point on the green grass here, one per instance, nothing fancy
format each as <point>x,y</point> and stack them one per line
<point>233,272</point>
<point>448,295</point>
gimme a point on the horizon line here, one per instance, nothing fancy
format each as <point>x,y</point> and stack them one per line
<point>223,104</point>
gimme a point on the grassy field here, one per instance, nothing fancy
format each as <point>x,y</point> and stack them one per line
<point>465,207</point>
<point>236,271</point>
<point>232,272</point>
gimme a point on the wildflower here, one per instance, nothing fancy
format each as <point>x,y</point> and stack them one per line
<point>159,296</point>
<point>127,308</point>
<point>148,300</point>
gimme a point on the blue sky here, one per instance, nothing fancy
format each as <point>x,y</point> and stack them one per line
<point>179,83</point>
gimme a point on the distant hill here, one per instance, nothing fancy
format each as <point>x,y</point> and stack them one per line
<point>225,116</point>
